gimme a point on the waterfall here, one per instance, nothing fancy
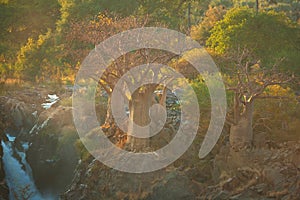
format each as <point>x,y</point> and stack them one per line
<point>18,174</point>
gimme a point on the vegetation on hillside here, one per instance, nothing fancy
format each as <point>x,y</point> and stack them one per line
<point>254,43</point>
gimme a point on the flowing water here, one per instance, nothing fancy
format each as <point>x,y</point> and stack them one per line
<point>18,173</point>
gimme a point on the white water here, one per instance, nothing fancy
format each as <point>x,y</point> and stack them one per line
<point>19,181</point>
<point>52,99</point>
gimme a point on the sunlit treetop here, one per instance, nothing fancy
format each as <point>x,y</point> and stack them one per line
<point>269,35</point>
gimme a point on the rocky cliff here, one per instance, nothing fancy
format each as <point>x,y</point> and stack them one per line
<point>50,134</point>
<point>268,170</point>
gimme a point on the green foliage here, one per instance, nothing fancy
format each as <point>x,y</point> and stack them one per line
<point>226,3</point>
<point>268,35</point>
<point>65,6</point>
<point>200,88</point>
<point>5,71</point>
<point>82,151</point>
<point>290,7</point>
<point>173,13</point>
<point>78,10</point>
<point>201,32</point>
<point>201,91</point>
<point>24,23</point>
<point>275,114</point>
<point>31,57</point>
<point>22,19</point>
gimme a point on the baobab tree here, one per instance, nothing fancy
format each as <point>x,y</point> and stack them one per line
<point>140,101</point>
<point>253,44</point>
<point>250,83</point>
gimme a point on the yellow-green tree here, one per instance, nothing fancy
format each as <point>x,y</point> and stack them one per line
<point>256,47</point>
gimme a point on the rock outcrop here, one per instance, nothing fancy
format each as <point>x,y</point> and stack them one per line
<point>52,154</point>
<point>268,170</point>
<point>94,181</point>
<point>271,172</point>
<point>50,134</point>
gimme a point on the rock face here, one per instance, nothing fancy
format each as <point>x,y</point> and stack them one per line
<point>52,154</point>
<point>21,108</point>
<point>271,172</point>
<point>268,170</point>
<point>96,181</point>
<point>50,134</point>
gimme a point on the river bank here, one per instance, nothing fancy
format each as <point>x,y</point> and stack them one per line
<point>39,156</point>
<point>43,158</point>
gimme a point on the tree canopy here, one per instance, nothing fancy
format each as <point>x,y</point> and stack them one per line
<point>269,35</point>
<point>39,39</point>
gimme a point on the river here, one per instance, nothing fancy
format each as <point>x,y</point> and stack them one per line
<point>18,173</point>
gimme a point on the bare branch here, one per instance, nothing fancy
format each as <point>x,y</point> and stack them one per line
<point>107,90</point>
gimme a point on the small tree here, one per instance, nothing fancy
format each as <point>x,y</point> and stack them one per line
<point>251,43</point>
<point>250,82</point>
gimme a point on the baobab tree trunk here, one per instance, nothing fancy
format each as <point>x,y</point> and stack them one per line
<point>241,133</point>
<point>139,114</point>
